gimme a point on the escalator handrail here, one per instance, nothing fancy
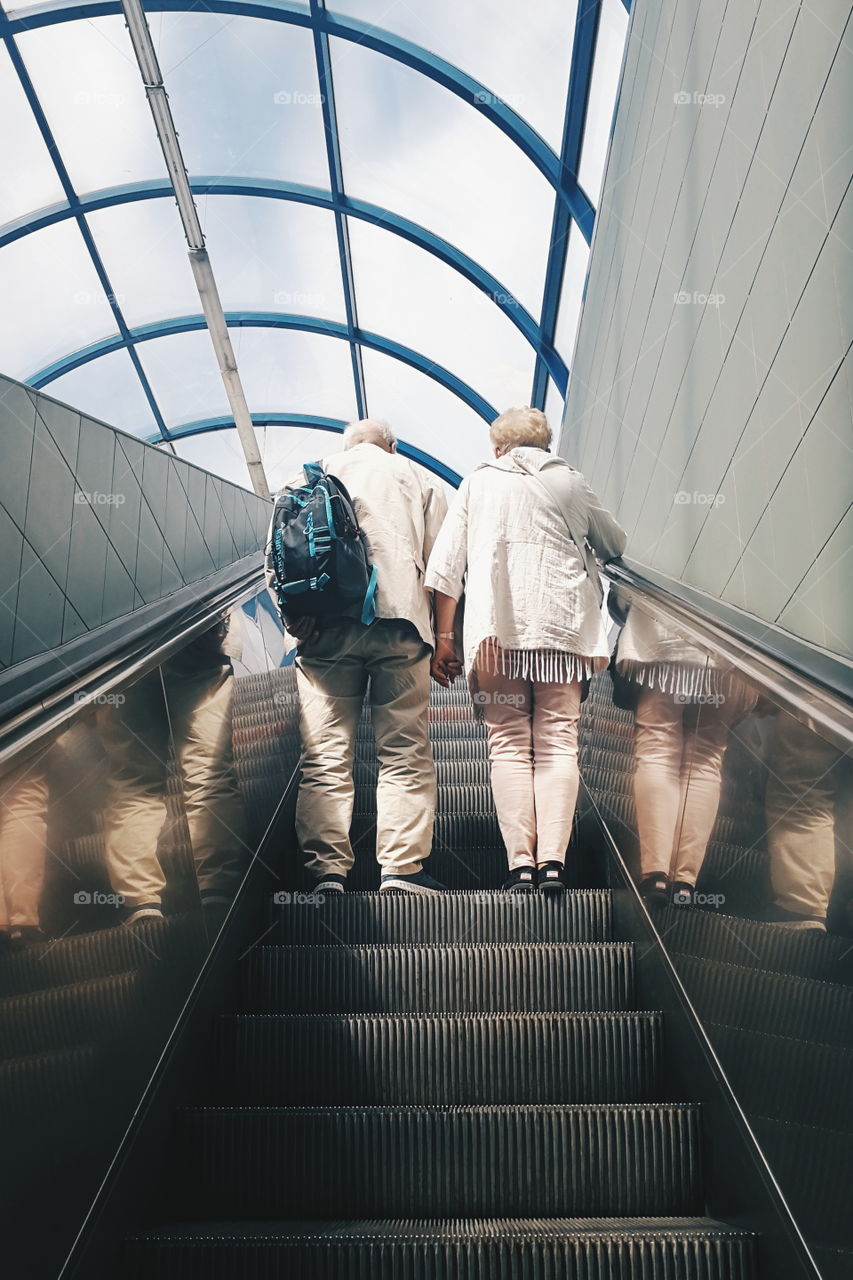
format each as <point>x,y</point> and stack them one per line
<point>143,640</point>
<point>812,684</point>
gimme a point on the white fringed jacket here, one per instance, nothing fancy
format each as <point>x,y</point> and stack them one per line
<point>530,609</point>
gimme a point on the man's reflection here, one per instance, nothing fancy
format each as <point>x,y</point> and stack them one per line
<point>199,692</point>
<point>803,792</point>
<point>23,848</point>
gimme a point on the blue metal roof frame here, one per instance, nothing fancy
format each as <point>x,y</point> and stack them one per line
<point>571,202</point>
<point>269,320</point>
<point>203,426</point>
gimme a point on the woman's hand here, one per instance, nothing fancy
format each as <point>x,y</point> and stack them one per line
<point>446,663</point>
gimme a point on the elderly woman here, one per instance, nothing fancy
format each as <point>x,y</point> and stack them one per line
<point>515,540</point>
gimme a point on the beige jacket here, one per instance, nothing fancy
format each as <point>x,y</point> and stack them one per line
<point>506,545</point>
<point>401,509</point>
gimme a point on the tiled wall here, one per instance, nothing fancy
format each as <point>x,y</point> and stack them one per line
<point>94,523</point>
<point>711,387</point>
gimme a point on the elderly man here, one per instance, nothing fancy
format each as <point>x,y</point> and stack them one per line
<point>401,511</point>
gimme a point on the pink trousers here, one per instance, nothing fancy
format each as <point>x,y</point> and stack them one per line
<point>532,730</point>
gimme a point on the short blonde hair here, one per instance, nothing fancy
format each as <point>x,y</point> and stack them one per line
<point>516,427</point>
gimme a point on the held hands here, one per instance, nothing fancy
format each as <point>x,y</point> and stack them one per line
<point>446,663</point>
<point>304,630</point>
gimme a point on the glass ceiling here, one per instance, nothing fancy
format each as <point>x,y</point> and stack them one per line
<point>397,202</point>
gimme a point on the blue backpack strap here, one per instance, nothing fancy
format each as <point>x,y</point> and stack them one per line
<point>313,471</point>
<point>368,612</point>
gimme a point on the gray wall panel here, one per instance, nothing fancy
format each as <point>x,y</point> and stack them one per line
<point>707,403</point>
<point>95,523</point>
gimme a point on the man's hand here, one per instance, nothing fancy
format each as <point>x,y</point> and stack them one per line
<point>446,664</point>
<point>304,630</point>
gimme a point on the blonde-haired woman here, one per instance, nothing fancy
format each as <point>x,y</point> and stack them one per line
<point>517,540</point>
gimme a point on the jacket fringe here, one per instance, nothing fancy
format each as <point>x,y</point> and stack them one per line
<point>681,679</point>
<point>544,666</point>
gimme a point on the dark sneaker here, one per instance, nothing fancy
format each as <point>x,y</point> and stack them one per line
<point>654,889</point>
<point>145,911</point>
<point>330,883</point>
<point>521,880</point>
<point>420,882</point>
<point>23,935</point>
<point>551,877</point>
<point>682,893</point>
<point>785,919</point>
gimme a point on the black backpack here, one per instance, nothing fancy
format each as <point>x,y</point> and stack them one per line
<point>319,553</point>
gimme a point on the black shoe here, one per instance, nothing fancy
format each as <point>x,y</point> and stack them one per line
<point>521,880</point>
<point>136,915</point>
<point>681,893</point>
<point>420,883</point>
<point>550,877</point>
<point>23,935</point>
<point>794,919</point>
<point>654,889</point>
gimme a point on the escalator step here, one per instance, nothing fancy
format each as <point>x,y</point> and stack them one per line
<point>434,1161</point>
<point>815,1167</point>
<point>450,917</point>
<point>454,978</point>
<point>83,1013</point>
<point>492,1249</point>
<point>714,936</point>
<point>798,1008</point>
<point>58,962</point>
<point>786,1079</point>
<point>438,1059</point>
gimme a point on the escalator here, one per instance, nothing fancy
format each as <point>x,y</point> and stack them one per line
<point>473,1084</point>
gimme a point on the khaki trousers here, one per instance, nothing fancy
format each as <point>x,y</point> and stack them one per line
<point>679,750</point>
<point>390,659</point>
<point>803,787</point>
<point>136,736</point>
<point>532,728</point>
<point>23,844</point>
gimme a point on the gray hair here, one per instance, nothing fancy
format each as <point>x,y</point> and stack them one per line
<point>370,431</point>
<point>517,427</point>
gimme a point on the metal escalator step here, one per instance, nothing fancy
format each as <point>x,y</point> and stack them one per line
<point>437,1059</point>
<point>451,1249</point>
<point>714,936</point>
<point>57,962</point>
<point>768,1073</point>
<point>453,978</point>
<point>798,1008</point>
<point>449,917</point>
<point>83,1013</point>
<point>814,1166</point>
<point>435,1161</point>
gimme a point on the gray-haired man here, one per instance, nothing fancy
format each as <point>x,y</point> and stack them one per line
<point>400,509</point>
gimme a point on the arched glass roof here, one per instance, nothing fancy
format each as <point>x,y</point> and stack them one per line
<point>396,201</point>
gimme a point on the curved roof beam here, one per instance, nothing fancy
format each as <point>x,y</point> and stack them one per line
<point>271,188</point>
<point>472,91</point>
<point>203,426</point>
<point>268,320</point>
